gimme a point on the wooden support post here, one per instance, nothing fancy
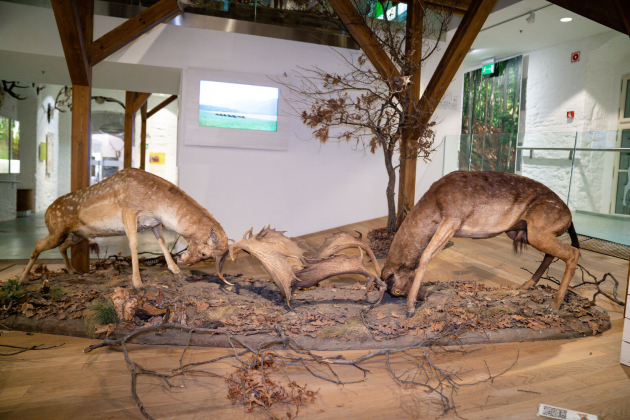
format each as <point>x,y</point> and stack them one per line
<point>162,105</point>
<point>407,181</point>
<point>143,136</point>
<point>75,24</point>
<point>80,161</point>
<point>133,102</point>
<point>127,32</point>
<point>363,35</point>
<point>454,55</point>
<point>130,120</point>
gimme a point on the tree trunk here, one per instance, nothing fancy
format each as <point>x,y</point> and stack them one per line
<point>391,188</point>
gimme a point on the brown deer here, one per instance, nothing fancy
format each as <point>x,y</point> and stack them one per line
<point>127,202</point>
<point>480,205</point>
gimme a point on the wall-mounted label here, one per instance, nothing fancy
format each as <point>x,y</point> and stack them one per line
<point>157,158</point>
<point>487,69</point>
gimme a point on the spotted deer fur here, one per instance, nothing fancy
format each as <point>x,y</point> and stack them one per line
<point>125,203</point>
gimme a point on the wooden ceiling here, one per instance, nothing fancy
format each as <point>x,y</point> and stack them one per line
<point>614,14</point>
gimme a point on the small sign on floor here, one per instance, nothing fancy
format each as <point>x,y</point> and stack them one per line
<point>562,413</point>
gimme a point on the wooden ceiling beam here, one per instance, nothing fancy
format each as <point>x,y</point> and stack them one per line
<point>162,104</point>
<point>363,35</point>
<point>454,55</point>
<point>624,10</point>
<point>140,98</point>
<point>604,12</point>
<point>72,31</point>
<point>129,31</point>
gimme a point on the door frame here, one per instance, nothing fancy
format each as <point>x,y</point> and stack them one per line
<point>622,124</point>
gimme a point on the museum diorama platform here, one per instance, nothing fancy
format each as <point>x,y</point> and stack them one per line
<point>473,284</point>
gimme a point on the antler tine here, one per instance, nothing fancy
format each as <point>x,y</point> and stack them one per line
<point>250,233</point>
<point>360,237</point>
<point>219,266</point>
<point>360,254</point>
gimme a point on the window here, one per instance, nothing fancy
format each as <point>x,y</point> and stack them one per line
<point>490,118</point>
<point>9,146</point>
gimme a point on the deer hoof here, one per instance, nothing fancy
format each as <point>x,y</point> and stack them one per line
<point>410,313</point>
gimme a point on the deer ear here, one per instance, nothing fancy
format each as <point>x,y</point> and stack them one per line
<point>213,236</point>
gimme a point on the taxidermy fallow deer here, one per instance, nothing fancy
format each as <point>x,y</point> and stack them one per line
<point>480,205</point>
<point>127,202</point>
<point>284,260</point>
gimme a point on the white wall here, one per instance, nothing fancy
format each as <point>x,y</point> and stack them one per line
<point>308,188</point>
<point>161,138</point>
<point>591,88</point>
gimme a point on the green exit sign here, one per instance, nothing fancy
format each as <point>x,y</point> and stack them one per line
<point>487,69</point>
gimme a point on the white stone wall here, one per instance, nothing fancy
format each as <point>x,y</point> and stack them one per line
<point>590,88</point>
<point>161,138</point>
<point>64,153</point>
<point>46,183</point>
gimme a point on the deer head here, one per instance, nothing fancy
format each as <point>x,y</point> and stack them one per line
<point>398,280</point>
<point>210,245</point>
<point>277,253</point>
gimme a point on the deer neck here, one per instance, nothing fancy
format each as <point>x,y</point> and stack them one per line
<point>411,240</point>
<point>188,219</point>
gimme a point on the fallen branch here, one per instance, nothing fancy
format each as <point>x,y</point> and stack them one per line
<point>595,282</point>
<point>252,384</point>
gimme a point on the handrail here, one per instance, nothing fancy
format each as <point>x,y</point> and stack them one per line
<point>577,149</point>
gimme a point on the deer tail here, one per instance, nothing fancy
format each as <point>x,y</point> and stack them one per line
<point>520,241</point>
<point>575,243</point>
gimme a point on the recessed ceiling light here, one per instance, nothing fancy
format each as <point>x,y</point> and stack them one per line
<point>566,19</point>
<point>471,50</point>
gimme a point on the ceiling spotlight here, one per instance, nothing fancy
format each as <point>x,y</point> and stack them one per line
<point>531,18</point>
<point>566,19</point>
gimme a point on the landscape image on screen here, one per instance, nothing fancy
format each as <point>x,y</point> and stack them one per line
<point>233,105</point>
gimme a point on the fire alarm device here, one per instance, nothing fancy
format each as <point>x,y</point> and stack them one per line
<point>570,114</point>
<point>575,57</point>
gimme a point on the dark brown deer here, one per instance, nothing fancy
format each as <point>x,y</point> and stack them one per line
<point>480,205</point>
<point>127,202</point>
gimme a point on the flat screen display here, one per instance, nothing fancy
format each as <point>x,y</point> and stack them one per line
<point>234,105</point>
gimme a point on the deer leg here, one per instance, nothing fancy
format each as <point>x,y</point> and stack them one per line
<point>130,222</point>
<point>444,232</point>
<point>549,244</point>
<point>44,244</point>
<point>538,274</point>
<point>157,231</point>
<point>63,248</point>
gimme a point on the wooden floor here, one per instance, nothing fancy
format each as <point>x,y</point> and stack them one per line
<point>580,374</point>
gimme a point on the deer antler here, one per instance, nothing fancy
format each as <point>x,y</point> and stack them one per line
<point>9,86</point>
<point>343,240</point>
<point>318,270</point>
<point>273,250</point>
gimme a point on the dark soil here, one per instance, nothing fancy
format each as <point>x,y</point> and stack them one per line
<point>323,317</point>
